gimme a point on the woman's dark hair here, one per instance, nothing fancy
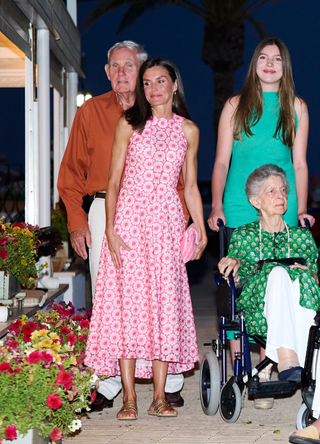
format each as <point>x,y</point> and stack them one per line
<point>141,111</point>
<point>250,107</point>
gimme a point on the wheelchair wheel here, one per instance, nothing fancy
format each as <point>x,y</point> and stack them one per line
<point>209,383</point>
<point>230,402</point>
<point>304,417</point>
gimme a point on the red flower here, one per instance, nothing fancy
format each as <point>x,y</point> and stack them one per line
<point>16,323</point>
<point>4,241</point>
<point>46,357</point>
<point>29,328</point>
<point>19,224</point>
<point>17,370</point>
<point>72,339</point>
<point>13,344</point>
<point>55,434</point>
<point>34,357</point>
<point>79,361</point>
<point>64,378</point>
<point>82,338</point>
<point>54,401</point>
<point>3,255</point>
<point>78,318</point>
<point>27,338</point>
<point>11,432</point>
<point>93,396</point>
<point>84,324</point>
<point>5,368</point>
<point>65,330</point>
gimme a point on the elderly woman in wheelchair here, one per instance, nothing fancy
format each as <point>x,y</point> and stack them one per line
<point>277,264</point>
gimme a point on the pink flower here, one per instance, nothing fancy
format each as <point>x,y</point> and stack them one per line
<point>5,368</point>
<point>64,378</point>
<point>84,324</point>
<point>14,344</point>
<point>34,357</point>
<point>55,434</point>
<point>46,357</point>
<point>11,432</point>
<point>93,396</point>
<point>72,339</point>
<point>4,241</point>
<point>54,401</point>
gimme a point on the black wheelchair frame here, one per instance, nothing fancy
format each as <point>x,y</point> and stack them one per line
<point>228,395</point>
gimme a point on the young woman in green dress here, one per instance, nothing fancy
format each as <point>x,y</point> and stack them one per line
<point>265,123</point>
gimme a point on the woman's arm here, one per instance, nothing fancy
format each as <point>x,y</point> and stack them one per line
<point>122,136</point>
<point>191,190</point>
<point>299,159</point>
<point>222,161</point>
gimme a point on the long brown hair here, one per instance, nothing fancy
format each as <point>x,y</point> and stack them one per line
<point>250,106</point>
<point>141,111</point>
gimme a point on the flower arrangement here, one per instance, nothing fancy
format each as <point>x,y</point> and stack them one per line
<point>18,251</point>
<point>43,381</point>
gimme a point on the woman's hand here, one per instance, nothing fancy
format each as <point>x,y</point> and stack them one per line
<point>228,265</point>
<point>203,240</point>
<point>213,219</point>
<point>114,244</point>
<point>304,267</point>
<point>304,216</point>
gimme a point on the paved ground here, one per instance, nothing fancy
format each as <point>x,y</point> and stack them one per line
<point>192,425</point>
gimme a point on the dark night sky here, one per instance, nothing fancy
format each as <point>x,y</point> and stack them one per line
<point>177,35</point>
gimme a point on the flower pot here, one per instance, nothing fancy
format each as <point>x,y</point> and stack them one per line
<point>32,437</point>
<point>9,285</point>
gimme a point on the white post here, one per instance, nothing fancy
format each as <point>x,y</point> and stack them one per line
<point>72,84</point>
<point>43,40</point>
<point>56,143</point>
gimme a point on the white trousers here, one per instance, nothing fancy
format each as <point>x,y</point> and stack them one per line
<point>97,224</point>
<point>288,322</point>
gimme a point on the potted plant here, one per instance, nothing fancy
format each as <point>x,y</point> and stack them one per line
<point>44,383</point>
<point>18,251</point>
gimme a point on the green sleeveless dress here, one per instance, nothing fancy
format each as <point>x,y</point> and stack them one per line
<point>251,153</point>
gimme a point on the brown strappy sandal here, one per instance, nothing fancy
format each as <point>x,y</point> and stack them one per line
<point>162,406</point>
<point>129,407</point>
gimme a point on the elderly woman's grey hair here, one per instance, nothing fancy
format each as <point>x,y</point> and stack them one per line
<point>141,53</point>
<point>257,179</point>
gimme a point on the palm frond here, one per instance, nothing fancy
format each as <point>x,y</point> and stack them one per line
<point>260,28</point>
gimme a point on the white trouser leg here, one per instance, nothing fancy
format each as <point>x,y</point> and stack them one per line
<point>97,223</point>
<point>174,383</point>
<point>288,322</point>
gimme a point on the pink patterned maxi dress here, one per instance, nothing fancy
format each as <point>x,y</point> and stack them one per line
<point>143,310</point>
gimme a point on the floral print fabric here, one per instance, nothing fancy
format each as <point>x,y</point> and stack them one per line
<point>143,311</point>
<point>245,245</point>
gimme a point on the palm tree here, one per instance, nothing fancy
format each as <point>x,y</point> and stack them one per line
<point>224,37</point>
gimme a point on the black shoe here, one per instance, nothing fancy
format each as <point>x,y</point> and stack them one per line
<point>291,374</point>
<point>100,403</point>
<point>175,399</point>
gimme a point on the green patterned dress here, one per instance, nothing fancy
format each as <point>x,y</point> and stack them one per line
<point>245,245</point>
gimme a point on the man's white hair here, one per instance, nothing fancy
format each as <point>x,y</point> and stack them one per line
<point>141,53</point>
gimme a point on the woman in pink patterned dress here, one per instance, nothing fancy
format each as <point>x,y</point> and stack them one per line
<point>142,324</point>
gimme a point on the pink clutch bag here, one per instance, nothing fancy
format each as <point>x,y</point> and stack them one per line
<point>189,242</point>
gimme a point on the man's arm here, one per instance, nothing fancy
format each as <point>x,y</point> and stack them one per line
<point>72,184</point>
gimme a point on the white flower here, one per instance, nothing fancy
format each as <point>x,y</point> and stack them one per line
<point>93,379</point>
<point>71,428</point>
<point>1,343</point>
<point>76,424</point>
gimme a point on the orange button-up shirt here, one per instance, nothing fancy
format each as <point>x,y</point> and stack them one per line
<point>85,164</point>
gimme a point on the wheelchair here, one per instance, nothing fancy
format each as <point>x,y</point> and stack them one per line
<point>227,395</point>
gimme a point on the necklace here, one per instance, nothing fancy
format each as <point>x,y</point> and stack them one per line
<point>260,236</point>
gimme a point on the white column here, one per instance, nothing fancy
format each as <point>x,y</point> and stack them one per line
<point>32,147</point>
<point>56,144</point>
<point>44,124</point>
<point>72,85</point>
<point>43,40</point>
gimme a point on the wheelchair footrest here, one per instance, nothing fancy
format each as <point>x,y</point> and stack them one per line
<point>270,388</point>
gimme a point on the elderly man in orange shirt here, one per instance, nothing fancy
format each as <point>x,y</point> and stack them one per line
<point>84,170</point>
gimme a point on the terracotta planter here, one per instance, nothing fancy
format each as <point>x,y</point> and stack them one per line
<point>32,437</point>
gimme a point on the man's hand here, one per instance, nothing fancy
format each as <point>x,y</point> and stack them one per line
<point>79,239</point>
